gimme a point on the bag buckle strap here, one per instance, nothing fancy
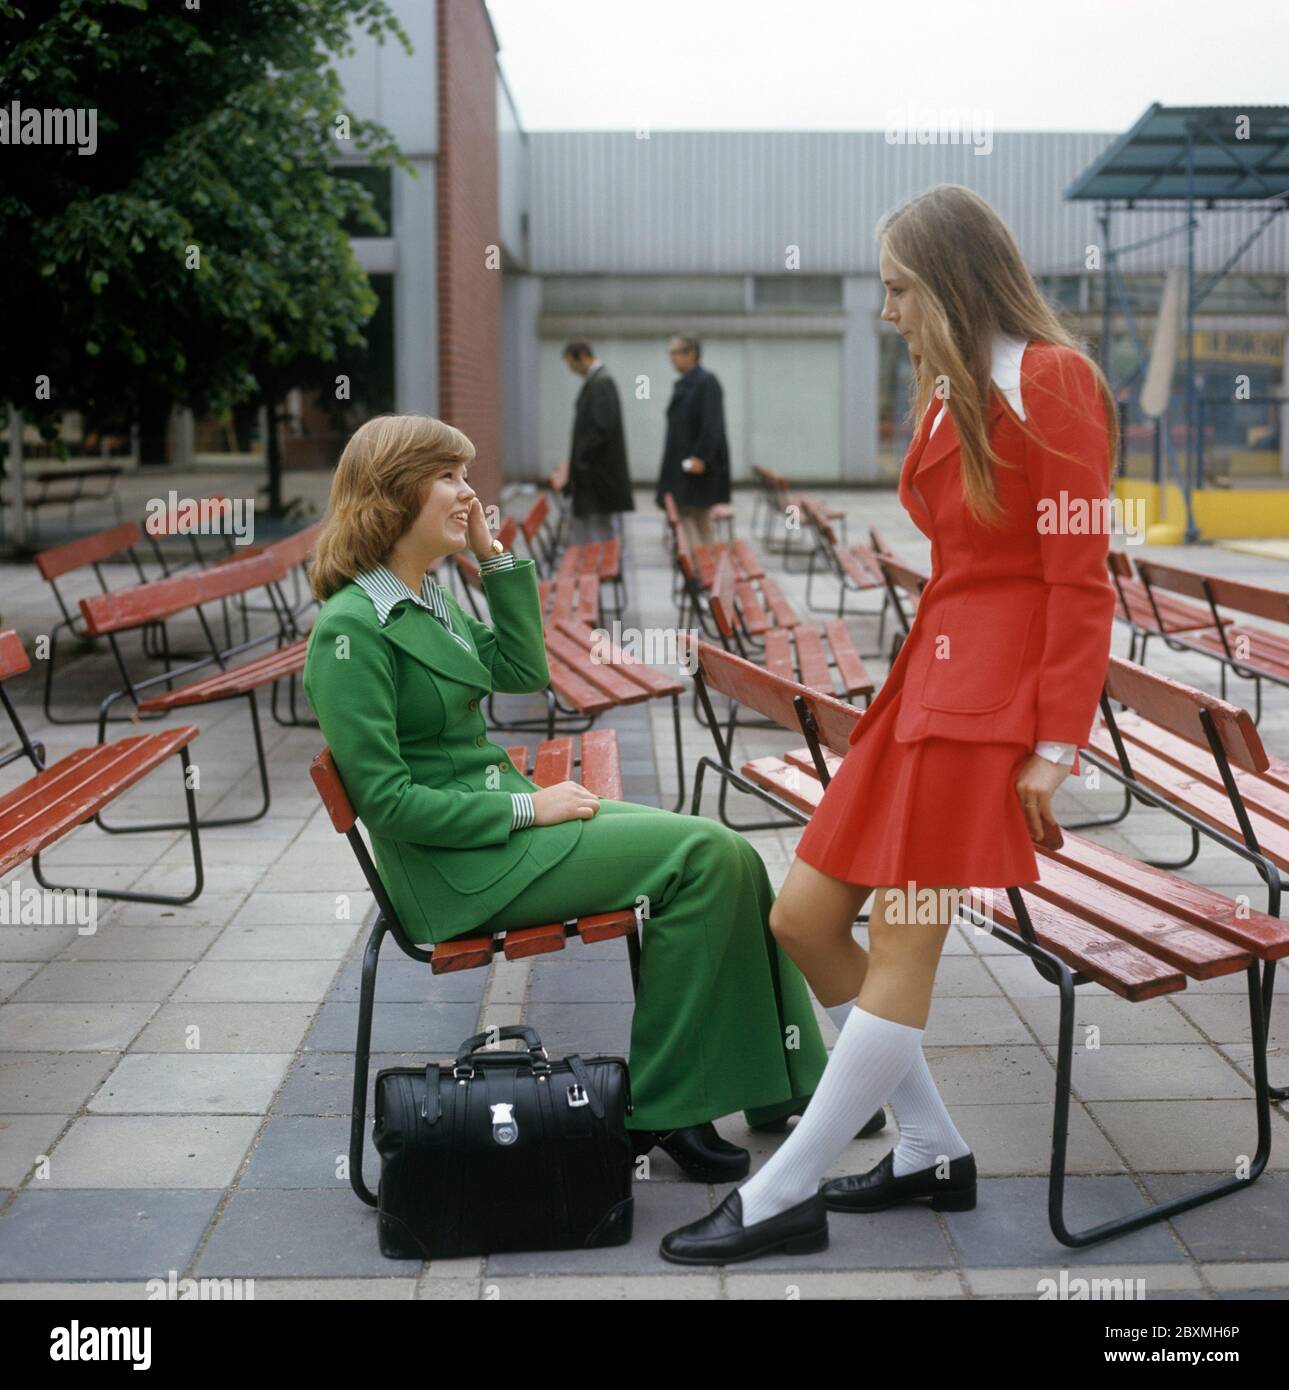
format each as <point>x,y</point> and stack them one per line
<point>431,1107</point>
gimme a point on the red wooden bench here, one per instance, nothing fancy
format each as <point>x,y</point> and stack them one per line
<point>820,658</point>
<point>1255,653</point>
<point>179,522</point>
<point>723,517</point>
<point>904,586</point>
<point>746,562</point>
<point>49,806</point>
<point>119,544</point>
<point>557,760</point>
<point>1094,915</point>
<point>123,611</point>
<point>65,486</point>
<point>1148,616</point>
<point>777,498</point>
<point>1201,759</point>
<point>88,553</point>
<point>295,552</point>
<point>596,561</point>
<point>590,674</point>
<point>570,593</point>
<point>854,567</point>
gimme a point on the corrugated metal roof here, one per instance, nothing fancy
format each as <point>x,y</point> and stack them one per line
<point>730,202</point>
<point>1237,153</point>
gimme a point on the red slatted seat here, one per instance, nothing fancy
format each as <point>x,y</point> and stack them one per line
<point>1247,649</point>
<point>592,759</point>
<point>823,658</point>
<point>56,799</point>
<point>240,680</point>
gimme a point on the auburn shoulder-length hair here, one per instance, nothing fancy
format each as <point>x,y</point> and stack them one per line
<point>971,283</point>
<point>377,492</point>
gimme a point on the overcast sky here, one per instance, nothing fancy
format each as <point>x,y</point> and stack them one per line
<point>849,64</point>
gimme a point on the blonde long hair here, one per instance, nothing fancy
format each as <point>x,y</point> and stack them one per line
<point>971,282</point>
<point>377,492</point>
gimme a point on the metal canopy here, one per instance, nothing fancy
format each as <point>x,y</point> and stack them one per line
<point>1195,157</point>
<point>1237,154</point>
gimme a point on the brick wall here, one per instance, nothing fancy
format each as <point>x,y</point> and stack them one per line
<point>468,223</point>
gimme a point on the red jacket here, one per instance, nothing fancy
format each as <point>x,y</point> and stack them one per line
<point>1012,634</point>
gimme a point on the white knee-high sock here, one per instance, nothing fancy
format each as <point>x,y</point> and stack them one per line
<point>926,1131</point>
<point>868,1061</point>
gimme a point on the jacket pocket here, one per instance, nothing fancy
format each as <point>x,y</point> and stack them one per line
<point>987,649</point>
<point>473,870</point>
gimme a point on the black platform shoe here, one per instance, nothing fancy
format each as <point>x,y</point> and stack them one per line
<point>779,1126</point>
<point>879,1188</point>
<point>720,1238</point>
<point>699,1150</point>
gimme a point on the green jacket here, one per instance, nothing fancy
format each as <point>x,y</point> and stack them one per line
<point>399,706</point>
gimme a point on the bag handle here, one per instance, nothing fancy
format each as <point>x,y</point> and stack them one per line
<point>511,1030</point>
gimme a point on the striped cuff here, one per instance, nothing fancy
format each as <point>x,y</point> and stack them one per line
<point>523,813</point>
<point>490,564</point>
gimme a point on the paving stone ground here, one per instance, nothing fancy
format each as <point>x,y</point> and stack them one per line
<point>174,1088</point>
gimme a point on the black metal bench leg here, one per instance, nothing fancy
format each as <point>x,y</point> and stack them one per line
<point>1095,823</point>
<point>199,877</point>
<point>1278,1093</point>
<point>362,1061</point>
<point>295,721</point>
<point>1180,863</point>
<point>1060,1131</point>
<point>633,956</point>
<point>680,752</point>
<point>262,761</point>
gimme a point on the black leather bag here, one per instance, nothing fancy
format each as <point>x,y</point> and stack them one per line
<point>506,1151</point>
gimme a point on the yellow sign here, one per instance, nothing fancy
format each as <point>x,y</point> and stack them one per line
<point>1232,345</point>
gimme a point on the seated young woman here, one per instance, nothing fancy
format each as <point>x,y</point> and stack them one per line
<point>464,842</point>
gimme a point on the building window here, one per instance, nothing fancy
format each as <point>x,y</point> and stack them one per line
<point>793,292</point>
<point>377,180</point>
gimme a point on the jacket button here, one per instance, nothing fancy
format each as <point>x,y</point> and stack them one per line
<point>479,742</point>
<point>472,704</point>
<point>505,766</point>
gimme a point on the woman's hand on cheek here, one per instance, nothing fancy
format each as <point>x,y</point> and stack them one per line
<point>478,537</point>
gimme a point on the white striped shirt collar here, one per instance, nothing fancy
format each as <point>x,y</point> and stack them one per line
<point>385,589</point>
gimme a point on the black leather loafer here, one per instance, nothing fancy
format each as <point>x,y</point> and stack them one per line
<point>875,1125</point>
<point>879,1188</point>
<point>699,1150</point>
<point>720,1238</point>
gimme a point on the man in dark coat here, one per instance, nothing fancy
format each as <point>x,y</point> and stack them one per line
<point>696,456</point>
<point>596,468</point>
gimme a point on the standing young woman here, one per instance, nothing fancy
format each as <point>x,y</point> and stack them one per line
<point>397,671</point>
<point>949,779</point>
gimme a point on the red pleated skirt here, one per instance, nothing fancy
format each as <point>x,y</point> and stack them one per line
<point>941,813</point>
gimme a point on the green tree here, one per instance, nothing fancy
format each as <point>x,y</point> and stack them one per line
<point>198,254</point>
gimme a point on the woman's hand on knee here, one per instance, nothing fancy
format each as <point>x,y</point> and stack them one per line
<point>564,801</point>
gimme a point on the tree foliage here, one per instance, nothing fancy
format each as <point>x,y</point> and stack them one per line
<point>198,255</point>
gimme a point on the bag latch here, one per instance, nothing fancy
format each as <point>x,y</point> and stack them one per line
<point>577,1096</point>
<point>505,1128</point>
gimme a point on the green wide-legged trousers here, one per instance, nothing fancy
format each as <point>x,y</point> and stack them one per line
<point>723,1019</point>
